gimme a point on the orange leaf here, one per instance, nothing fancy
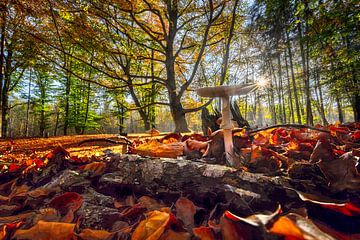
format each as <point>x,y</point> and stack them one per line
<point>152,227</point>
<point>204,233</point>
<point>47,230</point>
<point>95,167</point>
<point>285,227</point>
<point>89,234</point>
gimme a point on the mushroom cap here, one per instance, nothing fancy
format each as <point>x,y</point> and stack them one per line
<point>226,91</point>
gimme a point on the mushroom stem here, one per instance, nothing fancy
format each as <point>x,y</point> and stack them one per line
<point>227,127</point>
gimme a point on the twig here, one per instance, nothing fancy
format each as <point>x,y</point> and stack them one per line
<point>288,126</point>
<point>123,140</point>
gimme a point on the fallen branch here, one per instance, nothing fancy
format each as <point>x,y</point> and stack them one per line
<point>299,126</point>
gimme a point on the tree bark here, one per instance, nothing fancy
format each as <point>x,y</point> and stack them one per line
<point>339,108</point>
<point>289,90</point>
<point>305,63</point>
<point>67,98</point>
<point>199,181</point>
<point>297,105</point>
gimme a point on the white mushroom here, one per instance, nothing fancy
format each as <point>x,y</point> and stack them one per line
<point>224,92</point>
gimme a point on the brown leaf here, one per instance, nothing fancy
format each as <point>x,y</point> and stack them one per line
<point>150,203</point>
<point>172,235</point>
<point>204,233</point>
<point>295,226</point>
<point>67,201</point>
<point>16,218</point>
<point>89,234</point>
<point>185,211</point>
<point>47,230</point>
<point>341,173</point>
<point>231,230</point>
<point>95,167</point>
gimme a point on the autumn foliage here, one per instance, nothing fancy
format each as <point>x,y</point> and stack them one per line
<point>36,204</point>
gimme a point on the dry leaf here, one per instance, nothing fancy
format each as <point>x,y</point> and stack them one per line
<point>152,227</point>
<point>47,230</point>
<point>204,233</point>
<point>95,167</point>
<point>185,211</point>
<point>89,234</point>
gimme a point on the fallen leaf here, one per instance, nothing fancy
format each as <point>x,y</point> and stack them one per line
<point>154,148</point>
<point>172,235</point>
<point>285,227</point>
<point>204,233</point>
<point>95,167</point>
<point>152,227</point>
<point>185,211</point>
<point>149,203</point>
<point>346,208</point>
<point>232,230</point>
<point>15,218</point>
<point>67,204</point>
<point>90,234</point>
<point>341,173</point>
<point>255,220</point>
<point>47,230</point>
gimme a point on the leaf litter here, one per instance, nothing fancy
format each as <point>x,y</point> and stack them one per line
<point>36,202</point>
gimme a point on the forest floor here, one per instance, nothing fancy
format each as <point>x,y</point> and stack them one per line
<point>22,149</point>
<point>296,182</point>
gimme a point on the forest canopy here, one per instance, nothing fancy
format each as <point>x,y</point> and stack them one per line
<point>81,66</point>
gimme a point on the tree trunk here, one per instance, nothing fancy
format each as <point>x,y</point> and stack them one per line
<point>297,105</point>
<point>56,121</point>
<point>305,63</point>
<point>5,94</point>
<point>319,96</point>
<point>67,100</point>
<point>178,115</point>
<point>282,106</point>
<point>289,90</point>
<point>339,108</point>
<point>196,180</point>
<point>42,123</point>
<point>86,108</point>
<point>2,58</point>
<point>26,132</point>
<point>356,107</point>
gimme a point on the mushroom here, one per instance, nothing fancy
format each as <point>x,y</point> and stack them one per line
<point>224,92</point>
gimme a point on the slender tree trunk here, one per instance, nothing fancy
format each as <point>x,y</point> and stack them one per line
<point>289,90</point>
<point>319,96</point>
<point>304,60</point>
<point>28,107</point>
<point>42,123</point>
<point>5,94</point>
<point>86,107</point>
<point>56,121</point>
<point>297,105</point>
<point>355,98</point>
<point>2,60</point>
<point>272,95</point>
<point>282,108</point>
<point>67,103</point>
<point>339,108</point>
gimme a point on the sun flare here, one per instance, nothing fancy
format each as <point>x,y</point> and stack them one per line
<point>262,82</point>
